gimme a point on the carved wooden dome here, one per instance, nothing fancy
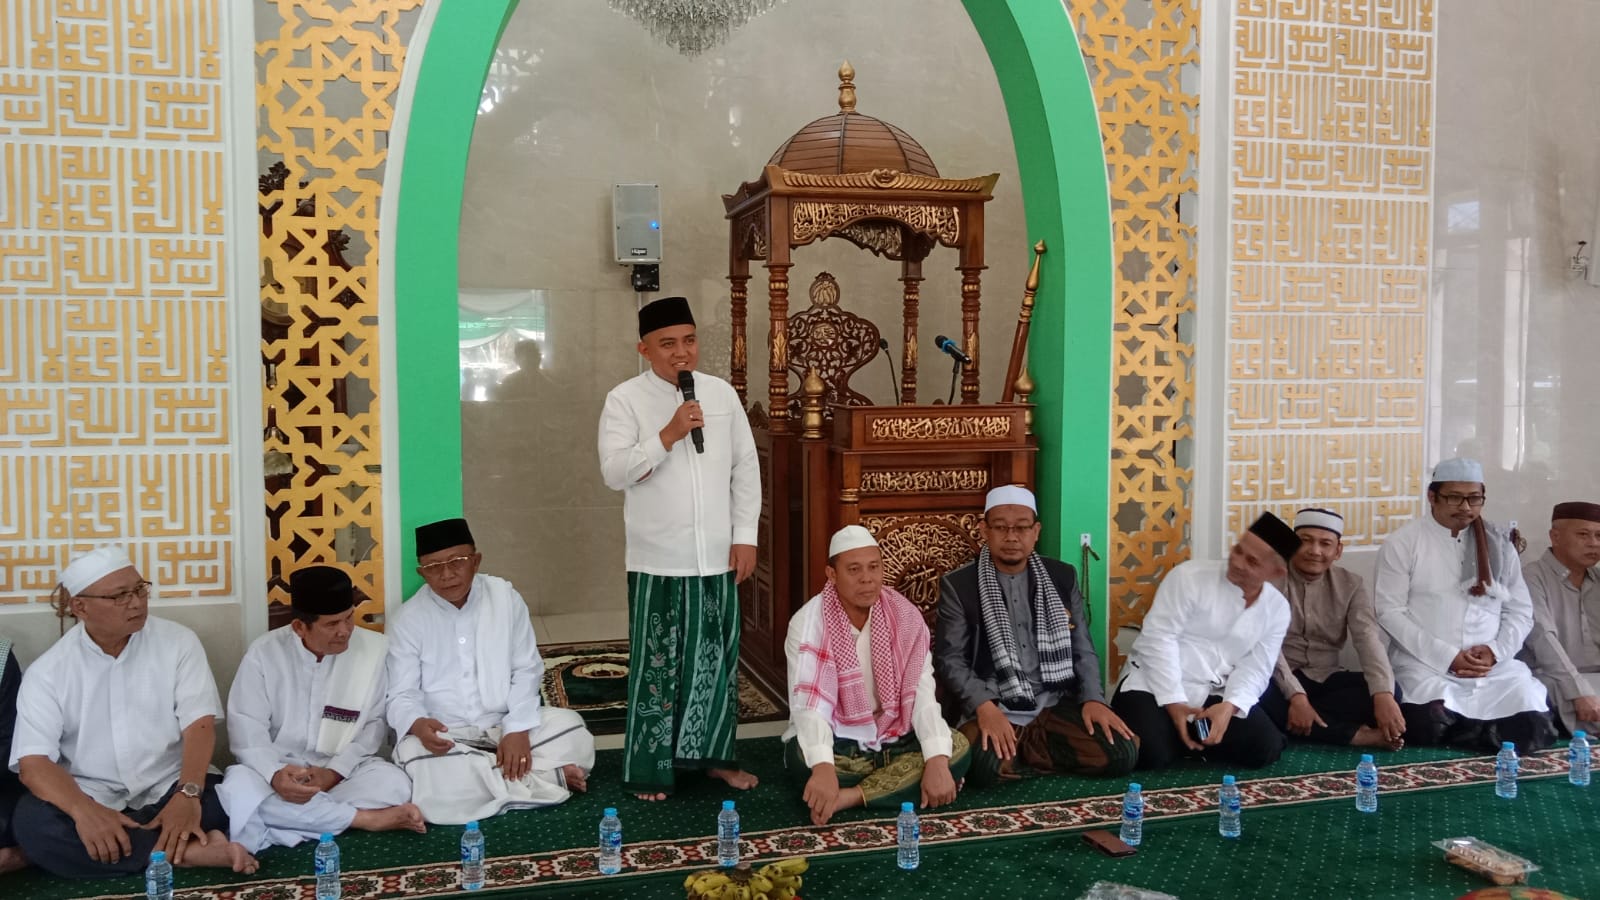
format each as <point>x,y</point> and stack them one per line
<point>849,141</point>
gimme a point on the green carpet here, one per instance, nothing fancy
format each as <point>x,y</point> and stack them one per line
<point>592,678</point>
<point>1016,836</point>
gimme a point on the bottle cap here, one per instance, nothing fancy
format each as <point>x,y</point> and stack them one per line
<point>1366,757</point>
<point>473,825</point>
<point>1580,733</point>
<point>1507,745</point>
<point>327,837</point>
<point>611,811</point>
<point>1134,786</point>
<point>906,807</point>
<point>727,804</point>
<point>1227,779</point>
<point>158,856</point>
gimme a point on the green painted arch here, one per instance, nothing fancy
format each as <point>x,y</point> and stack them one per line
<point>1061,161</point>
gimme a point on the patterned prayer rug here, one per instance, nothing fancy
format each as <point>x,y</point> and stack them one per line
<point>648,863</point>
<point>592,678</point>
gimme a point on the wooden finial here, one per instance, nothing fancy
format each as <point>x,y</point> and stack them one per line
<point>847,87</point>
<point>811,415</point>
<point>1024,387</point>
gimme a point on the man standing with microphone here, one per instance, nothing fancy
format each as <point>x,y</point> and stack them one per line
<point>678,445</point>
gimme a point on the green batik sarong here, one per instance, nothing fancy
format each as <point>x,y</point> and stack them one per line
<point>683,662</point>
<point>886,777</point>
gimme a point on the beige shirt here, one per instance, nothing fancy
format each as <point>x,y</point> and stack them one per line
<point>1323,615</point>
<point>1565,640</point>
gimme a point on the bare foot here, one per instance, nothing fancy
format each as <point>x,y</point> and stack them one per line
<point>1367,736</point>
<point>219,853</point>
<point>651,798</point>
<point>405,817</point>
<point>12,859</point>
<point>575,778</point>
<point>736,778</point>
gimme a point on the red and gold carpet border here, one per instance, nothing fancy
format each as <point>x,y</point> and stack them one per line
<point>577,864</point>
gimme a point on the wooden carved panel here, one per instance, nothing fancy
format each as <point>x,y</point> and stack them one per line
<point>918,550</point>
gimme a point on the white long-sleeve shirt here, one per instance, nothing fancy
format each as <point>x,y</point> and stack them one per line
<point>682,510</point>
<point>1200,639</point>
<point>115,723</point>
<point>1421,597</point>
<point>816,734</point>
<point>435,652</point>
<point>276,704</point>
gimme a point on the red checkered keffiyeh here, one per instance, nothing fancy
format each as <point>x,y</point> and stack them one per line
<point>829,679</point>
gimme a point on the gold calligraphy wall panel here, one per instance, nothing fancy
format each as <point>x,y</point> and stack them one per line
<point>114,366</point>
<point>1331,184</point>
<point>1137,51</point>
<point>327,75</point>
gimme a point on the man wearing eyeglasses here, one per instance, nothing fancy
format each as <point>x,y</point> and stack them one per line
<point>1449,593</point>
<point>1012,648</point>
<point>115,731</point>
<point>464,674</point>
<point>305,722</point>
<point>1564,646</point>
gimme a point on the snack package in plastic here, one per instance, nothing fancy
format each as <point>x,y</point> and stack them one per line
<point>1486,860</point>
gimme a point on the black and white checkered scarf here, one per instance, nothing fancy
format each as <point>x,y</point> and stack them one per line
<point>1051,626</point>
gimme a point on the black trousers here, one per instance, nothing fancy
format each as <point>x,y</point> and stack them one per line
<point>1250,742</point>
<point>10,793</point>
<point>1432,725</point>
<point>1343,701</point>
<point>50,839</point>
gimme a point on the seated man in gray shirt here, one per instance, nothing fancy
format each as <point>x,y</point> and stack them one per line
<point>1563,649</point>
<point>1011,648</point>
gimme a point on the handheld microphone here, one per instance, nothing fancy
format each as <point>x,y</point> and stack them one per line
<point>686,384</point>
<point>949,347</point>
<point>894,377</point>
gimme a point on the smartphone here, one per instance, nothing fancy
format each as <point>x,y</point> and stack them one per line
<point>1200,729</point>
<point>1108,843</point>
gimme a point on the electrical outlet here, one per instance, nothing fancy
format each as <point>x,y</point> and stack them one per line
<point>1085,539</point>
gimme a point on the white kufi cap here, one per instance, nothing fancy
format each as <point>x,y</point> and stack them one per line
<point>87,568</point>
<point>1459,469</point>
<point>850,537</point>
<point>1319,518</point>
<point>1010,495</point>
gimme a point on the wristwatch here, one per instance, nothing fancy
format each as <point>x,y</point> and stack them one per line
<point>190,789</point>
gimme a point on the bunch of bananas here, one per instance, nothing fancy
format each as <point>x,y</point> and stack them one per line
<point>774,881</point>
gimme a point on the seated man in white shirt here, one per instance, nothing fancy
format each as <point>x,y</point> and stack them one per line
<point>464,675</point>
<point>1449,593</point>
<point>115,730</point>
<point>864,721</point>
<point>1194,679</point>
<point>305,722</point>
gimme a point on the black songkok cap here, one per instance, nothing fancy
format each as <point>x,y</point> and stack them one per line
<point>321,591</point>
<point>1278,535</point>
<point>436,536</point>
<point>664,313</point>
<point>1576,509</point>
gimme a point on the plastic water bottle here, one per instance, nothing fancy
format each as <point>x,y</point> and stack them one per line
<point>728,835</point>
<point>1505,771</point>
<point>158,878</point>
<point>472,858</point>
<point>327,868</point>
<point>610,842</point>
<point>1367,784</point>
<point>1133,815</point>
<point>1229,805</point>
<point>908,832</point>
<point>1578,759</point>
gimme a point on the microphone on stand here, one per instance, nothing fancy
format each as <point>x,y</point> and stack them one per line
<point>950,348</point>
<point>686,384</point>
<point>894,377</point>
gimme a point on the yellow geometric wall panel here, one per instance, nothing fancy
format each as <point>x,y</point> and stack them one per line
<point>114,368</point>
<point>327,76</point>
<point>1331,170</point>
<point>1137,51</point>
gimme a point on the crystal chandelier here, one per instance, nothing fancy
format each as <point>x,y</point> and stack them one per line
<point>692,26</point>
